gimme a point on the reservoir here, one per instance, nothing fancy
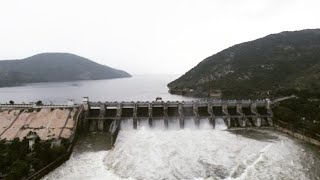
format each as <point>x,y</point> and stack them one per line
<point>137,88</point>
<point>156,153</point>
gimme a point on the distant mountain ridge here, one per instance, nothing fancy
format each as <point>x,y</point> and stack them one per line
<point>54,67</point>
<point>287,61</point>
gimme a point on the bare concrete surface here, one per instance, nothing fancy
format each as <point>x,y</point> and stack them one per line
<point>48,123</point>
<point>11,133</point>
<point>67,130</point>
<point>6,119</point>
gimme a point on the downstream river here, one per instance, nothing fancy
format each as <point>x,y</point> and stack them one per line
<point>152,154</point>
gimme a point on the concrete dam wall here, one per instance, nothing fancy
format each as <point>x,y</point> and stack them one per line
<point>55,122</point>
<point>48,122</point>
<point>107,116</point>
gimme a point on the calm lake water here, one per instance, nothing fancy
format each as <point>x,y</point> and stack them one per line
<point>137,88</point>
<point>173,154</point>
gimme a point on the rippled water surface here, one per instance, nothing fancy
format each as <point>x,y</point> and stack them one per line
<point>192,153</point>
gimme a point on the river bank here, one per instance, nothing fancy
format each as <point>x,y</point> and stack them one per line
<point>304,135</point>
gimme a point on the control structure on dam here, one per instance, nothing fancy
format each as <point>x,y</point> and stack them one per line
<point>107,116</point>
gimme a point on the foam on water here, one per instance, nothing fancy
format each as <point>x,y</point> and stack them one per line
<point>192,153</point>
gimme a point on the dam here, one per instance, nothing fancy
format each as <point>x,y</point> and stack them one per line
<point>62,121</point>
<point>106,116</point>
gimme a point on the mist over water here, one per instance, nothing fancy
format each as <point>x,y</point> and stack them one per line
<point>193,153</point>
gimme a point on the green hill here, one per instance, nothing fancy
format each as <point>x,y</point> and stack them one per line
<point>284,63</point>
<point>54,67</point>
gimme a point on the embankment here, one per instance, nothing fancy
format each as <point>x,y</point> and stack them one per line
<point>302,134</point>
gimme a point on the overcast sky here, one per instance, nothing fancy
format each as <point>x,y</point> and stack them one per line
<point>145,36</point>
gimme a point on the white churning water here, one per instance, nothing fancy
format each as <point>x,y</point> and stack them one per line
<point>192,153</point>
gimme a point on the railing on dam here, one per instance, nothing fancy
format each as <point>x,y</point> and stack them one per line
<point>35,106</point>
<point>100,115</point>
